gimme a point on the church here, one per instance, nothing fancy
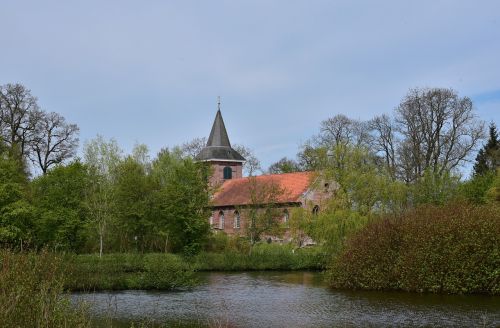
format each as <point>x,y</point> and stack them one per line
<point>235,195</point>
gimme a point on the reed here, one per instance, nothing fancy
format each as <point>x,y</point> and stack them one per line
<point>32,292</point>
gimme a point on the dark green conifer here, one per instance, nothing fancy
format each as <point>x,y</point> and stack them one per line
<point>488,157</point>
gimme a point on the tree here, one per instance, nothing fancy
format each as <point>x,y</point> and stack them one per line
<point>16,213</point>
<point>284,165</point>
<point>252,164</point>
<point>19,114</point>
<point>264,216</point>
<point>250,167</point>
<point>180,204</point>
<point>101,158</point>
<point>488,157</point>
<point>30,133</point>
<point>59,198</point>
<point>439,130</point>
<point>132,190</point>
<point>54,141</point>
<point>385,141</point>
<point>341,130</point>
<point>192,148</point>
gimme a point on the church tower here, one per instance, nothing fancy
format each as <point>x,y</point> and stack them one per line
<point>226,162</point>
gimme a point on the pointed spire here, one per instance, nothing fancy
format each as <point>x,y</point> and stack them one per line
<point>218,146</point>
<point>218,135</point>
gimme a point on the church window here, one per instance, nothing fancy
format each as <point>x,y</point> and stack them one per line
<point>236,220</point>
<point>228,173</point>
<point>221,220</point>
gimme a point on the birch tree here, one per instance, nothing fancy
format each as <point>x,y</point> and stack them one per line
<point>102,158</point>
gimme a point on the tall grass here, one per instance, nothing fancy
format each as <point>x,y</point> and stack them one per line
<point>263,257</point>
<point>449,249</point>
<point>31,292</point>
<point>129,271</point>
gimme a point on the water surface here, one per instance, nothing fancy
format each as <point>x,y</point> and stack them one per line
<point>291,299</point>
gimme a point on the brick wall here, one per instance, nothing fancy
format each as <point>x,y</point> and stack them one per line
<point>218,171</point>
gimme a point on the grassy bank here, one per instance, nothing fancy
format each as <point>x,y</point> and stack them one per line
<point>449,249</point>
<point>169,271</point>
<point>263,257</point>
<point>128,271</point>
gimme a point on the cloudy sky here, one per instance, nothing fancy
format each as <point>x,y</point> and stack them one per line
<point>151,71</point>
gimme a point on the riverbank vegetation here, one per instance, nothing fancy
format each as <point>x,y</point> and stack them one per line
<point>447,249</point>
<point>31,292</point>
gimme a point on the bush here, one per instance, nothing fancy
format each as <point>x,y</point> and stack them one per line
<point>450,249</point>
<point>31,292</point>
<point>166,271</point>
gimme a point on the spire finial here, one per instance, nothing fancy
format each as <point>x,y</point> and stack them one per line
<point>218,102</point>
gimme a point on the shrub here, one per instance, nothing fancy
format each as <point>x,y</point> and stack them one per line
<point>31,292</point>
<point>166,271</point>
<point>450,249</point>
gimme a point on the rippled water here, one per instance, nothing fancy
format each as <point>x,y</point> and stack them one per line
<point>296,299</point>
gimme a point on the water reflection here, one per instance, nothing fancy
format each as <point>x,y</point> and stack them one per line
<point>292,299</point>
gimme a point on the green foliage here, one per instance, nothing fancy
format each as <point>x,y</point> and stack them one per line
<point>32,292</point>
<point>263,257</point>
<point>362,184</point>
<point>166,271</point>
<point>263,214</point>
<point>132,194</point>
<point>16,213</point>
<point>128,271</point>
<point>59,199</point>
<point>476,189</point>
<point>493,193</point>
<point>450,249</point>
<point>180,205</point>
<point>284,165</point>
<point>488,157</point>
<point>435,188</point>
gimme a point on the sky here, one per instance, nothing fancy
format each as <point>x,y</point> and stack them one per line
<point>151,71</point>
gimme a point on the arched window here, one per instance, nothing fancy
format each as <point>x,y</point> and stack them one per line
<point>286,217</point>
<point>236,224</point>
<point>211,220</point>
<point>221,220</point>
<point>315,210</point>
<point>228,173</point>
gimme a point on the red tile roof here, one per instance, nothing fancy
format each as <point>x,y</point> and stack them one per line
<point>236,192</point>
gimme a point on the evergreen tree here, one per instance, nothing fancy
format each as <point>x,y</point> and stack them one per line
<point>488,158</point>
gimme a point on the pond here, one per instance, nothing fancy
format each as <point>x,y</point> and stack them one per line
<point>288,299</point>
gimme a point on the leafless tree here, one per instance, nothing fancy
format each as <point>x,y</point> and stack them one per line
<point>252,164</point>
<point>54,141</point>
<point>341,130</point>
<point>192,148</point>
<point>439,131</point>
<point>19,114</point>
<point>384,141</point>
